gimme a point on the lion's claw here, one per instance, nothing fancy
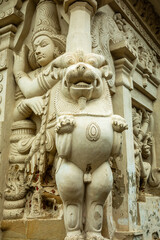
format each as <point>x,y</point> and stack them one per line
<point>119,124</point>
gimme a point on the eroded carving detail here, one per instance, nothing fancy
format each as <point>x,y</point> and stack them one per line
<point>15,194</point>
<point>148,14</point>
<point>142,150</point>
<point>137,25</point>
<point>147,58</point>
<point>105,31</point>
<point>41,197</point>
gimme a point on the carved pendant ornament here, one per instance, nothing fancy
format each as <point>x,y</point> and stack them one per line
<point>93,132</point>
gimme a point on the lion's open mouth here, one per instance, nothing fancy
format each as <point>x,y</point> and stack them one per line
<point>82,84</point>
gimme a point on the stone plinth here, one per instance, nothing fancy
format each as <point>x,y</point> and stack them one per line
<point>39,229</point>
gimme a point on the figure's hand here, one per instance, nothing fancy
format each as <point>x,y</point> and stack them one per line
<point>36,104</point>
<point>20,60</point>
<point>146,150</point>
<point>146,115</point>
<point>148,139</point>
<point>119,124</point>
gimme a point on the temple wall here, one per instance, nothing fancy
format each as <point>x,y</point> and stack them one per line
<point>79,120</point>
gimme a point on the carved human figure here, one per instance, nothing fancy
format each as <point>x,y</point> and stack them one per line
<point>39,81</point>
<point>47,44</point>
<point>142,146</point>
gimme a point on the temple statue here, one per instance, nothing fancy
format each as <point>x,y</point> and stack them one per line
<point>68,102</point>
<point>143,147</point>
<point>30,111</point>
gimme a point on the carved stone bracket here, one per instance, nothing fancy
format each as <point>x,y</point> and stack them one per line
<point>120,6</point>
<point>124,58</point>
<point>10,16</point>
<point>144,10</point>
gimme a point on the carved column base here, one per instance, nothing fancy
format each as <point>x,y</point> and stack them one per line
<point>15,194</point>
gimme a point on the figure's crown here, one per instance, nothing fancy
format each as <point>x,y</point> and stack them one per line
<point>46,23</point>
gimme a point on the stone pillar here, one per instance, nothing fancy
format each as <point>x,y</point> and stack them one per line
<point>79,37</point>
<point>124,194</point>
<point>10,16</point>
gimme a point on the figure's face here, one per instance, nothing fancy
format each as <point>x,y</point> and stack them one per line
<point>44,50</point>
<point>136,129</point>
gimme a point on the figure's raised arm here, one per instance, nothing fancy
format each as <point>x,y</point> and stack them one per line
<point>44,80</point>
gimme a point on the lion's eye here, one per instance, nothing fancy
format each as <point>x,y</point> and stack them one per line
<point>71,61</point>
<point>93,62</point>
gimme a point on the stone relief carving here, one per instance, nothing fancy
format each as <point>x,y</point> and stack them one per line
<point>105,31</point>
<point>155,236</point>
<point>142,146</point>
<point>145,157</point>
<point>45,50</point>
<point>148,14</point>
<point>147,58</point>
<point>63,120</point>
<point>15,194</point>
<point>137,25</point>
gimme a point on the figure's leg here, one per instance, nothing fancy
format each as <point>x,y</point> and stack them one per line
<point>69,179</point>
<point>96,194</point>
<point>143,181</point>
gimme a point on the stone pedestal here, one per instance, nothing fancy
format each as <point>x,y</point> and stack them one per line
<point>35,229</point>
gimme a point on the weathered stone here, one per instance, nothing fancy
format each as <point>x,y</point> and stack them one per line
<point>79,120</point>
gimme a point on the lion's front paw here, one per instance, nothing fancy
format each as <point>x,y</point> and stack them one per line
<point>65,124</point>
<point>94,236</point>
<point>75,237</point>
<point>119,124</point>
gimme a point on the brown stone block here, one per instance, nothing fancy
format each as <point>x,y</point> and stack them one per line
<point>14,229</point>
<point>39,229</point>
<point>45,230</point>
<point>15,239</point>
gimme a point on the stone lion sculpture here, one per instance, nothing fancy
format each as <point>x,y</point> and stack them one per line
<point>86,135</point>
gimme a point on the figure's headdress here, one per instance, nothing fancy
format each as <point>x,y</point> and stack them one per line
<point>46,23</point>
<point>136,120</point>
<point>136,117</point>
